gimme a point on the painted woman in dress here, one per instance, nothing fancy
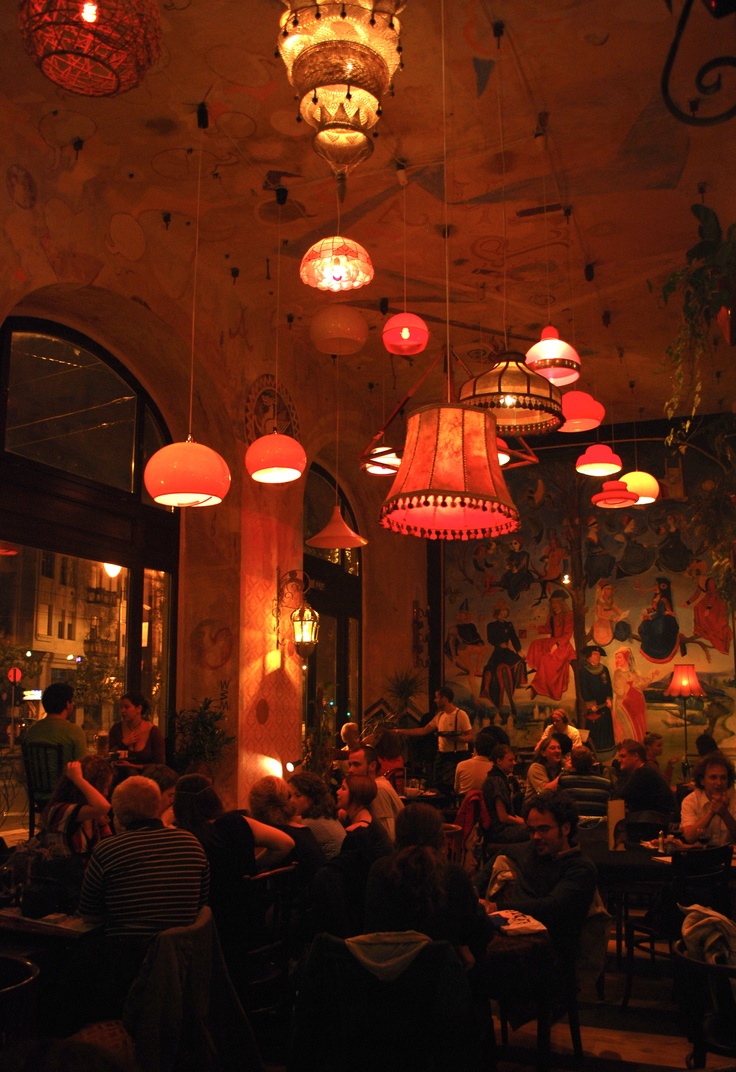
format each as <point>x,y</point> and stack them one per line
<point>551,655</point>
<point>505,670</point>
<point>710,614</point>
<point>629,705</point>
<point>659,631</point>
<point>606,614</point>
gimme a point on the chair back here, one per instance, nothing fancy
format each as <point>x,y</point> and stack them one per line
<point>702,877</point>
<point>397,778</point>
<point>43,765</point>
<point>263,976</point>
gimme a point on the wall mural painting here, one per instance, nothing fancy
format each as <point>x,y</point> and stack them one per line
<point>590,610</point>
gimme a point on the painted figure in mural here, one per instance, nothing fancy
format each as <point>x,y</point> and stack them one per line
<point>519,575</point>
<point>554,562</point>
<point>461,636</point>
<point>673,555</point>
<point>608,619</point>
<point>598,562</point>
<point>636,558</point>
<point>505,669</point>
<point>710,614</point>
<point>629,705</point>
<point>659,631</point>
<point>551,655</point>
<point>596,690</point>
<point>485,562</point>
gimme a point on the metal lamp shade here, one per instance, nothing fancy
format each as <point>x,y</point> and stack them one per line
<point>523,402</point>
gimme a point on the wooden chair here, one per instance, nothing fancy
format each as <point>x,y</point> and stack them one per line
<point>699,876</point>
<point>708,1005</point>
<point>43,764</point>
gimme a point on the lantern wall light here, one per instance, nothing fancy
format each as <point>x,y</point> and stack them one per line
<point>291,589</point>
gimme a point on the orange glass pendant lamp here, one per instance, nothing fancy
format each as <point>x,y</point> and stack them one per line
<point>645,485</point>
<point>275,459</point>
<point>613,495</point>
<point>554,358</point>
<point>187,474</point>
<point>450,485</point>
<point>405,334</point>
<point>336,264</point>
<point>581,411</point>
<point>598,460</point>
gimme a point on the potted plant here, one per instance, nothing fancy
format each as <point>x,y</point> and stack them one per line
<point>201,738</point>
<point>707,283</point>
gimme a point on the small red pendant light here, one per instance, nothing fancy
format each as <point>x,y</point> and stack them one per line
<point>187,474</point>
<point>405,334</point>
<point>581,411</point>
<point>275,459</point>
<point>598,460</point>
<point>614,495</point>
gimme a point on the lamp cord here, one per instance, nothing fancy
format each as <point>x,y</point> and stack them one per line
<point>546,238</point>
<point>499,103</point>
<point>445,225</point>
<point>403,196</point>
<point>194,283</point>
<point>337,429</point>
<point>278,324</point>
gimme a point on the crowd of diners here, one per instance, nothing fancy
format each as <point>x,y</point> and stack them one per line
<point>158,846</point>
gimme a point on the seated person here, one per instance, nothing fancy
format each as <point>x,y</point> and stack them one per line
<point>560,726</point>
<point>271,803</point>
<point>709,812</point>
<point>388,748</point>
<point>555,882</point>
<point>417,889</point>
<point>643,788</point>
<point>654,745</point>
<point>386,803</point>
<point>166,779</point>
<point>591,792</point>
<point>506,825</point>
<point>472,773</point>
<point>545,770</point>
<point>315,806</point>
<point>79,809</point>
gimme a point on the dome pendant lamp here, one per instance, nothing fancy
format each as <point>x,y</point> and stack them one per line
<point>598,460</point>
<point>276,458</point>
<point>554,359</point>
<point>581,411</point>
<point>644,484</point>
<point>405,333</point>
<point>189,473</point>
<point>336,264</point>
<point>613,495</point>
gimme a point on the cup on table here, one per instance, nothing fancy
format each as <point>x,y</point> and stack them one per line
<point>411,789</point>
<point>102,743</point>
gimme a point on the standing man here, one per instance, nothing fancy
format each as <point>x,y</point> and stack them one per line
<point>58,703</point>
<point>455,734</point>
<point>387,804</point>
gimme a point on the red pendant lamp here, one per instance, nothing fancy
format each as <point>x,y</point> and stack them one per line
<point>581,411</point>
<point>405,334</point>
<point>554,358</point>
<point>450,486</point>
<point>598,460</point>
<point>613,495</point>
<point>95,49</point>
<point>503,455</point>
<point>189,473</point>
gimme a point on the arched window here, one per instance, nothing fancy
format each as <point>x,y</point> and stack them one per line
<point>87,561</point>
<point>334,685</point>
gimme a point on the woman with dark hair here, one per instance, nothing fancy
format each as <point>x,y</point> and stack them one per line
<point>418,889</point>
<point>271,803</point>
<point>506,825</point>
<point>316,808</point>
<point>79,808</point>
<point>134,735</point>
<point>709,812</point>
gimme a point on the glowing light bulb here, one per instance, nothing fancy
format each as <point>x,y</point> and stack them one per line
<point>509,400</point>
<point>89,12</point>
<point>405,333</point>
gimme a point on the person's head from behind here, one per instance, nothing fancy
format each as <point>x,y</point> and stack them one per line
<point>350,734</point>
<point>310,796</point>
<point>714,774</point>
<point>504,758</point>
<point>95,770</point>
<point>630,754</point>
<point>57,697</point>
<point>388,745</point>
<point>419,824</point>
<point>356,792</point>
<point>270,801</point>
<point>363,761</point>
<point>552,822</point>
<point>135,800</point>
<point>196,803</point>
<point>166,779</point>
<point>484,744</point>
<point>581,760</point>
<point>705,744</point>
<point>653,744</point>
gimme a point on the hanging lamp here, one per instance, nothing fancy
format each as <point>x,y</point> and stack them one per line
<point>645,485</point>
<point>613,495</point>
<point>336,264</point>
<point>523,402</point>
<point>554,359</point>
<point>598,460</point>
<point>276,458</point>
<point>189,473</point>
<point>405,333</point>
<point>382,461</point>
<point>450,485</point>
<point>337,533</point>
<point>502,448</point>
<point>581,411</point>
<point>95,49</point>
<point>338,329</point>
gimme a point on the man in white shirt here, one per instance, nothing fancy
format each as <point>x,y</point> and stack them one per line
<point>472,773</point>
<point>454,735</point>
<point>387,804</point>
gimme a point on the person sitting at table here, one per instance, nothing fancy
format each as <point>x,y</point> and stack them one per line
<point>554,881</point>
<point>386,803</point>
<point>472,773</point>
<point>316,808</point>
<point>654,745</point>
<point>559,725</point>
<point>506,825</point>
<point>417,889</point>
<point>135,735</point>
<point>709,812</point>
<point>57,701</point>
<point>544,771</point>
<point>166,779</point>
<point>79,809</point>
<point>388,748</point>
<point>644,790</point>
<point>590,791</point>
<point>270,803</point>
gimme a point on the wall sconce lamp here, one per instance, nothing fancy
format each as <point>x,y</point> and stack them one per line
<point>291,588</point>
